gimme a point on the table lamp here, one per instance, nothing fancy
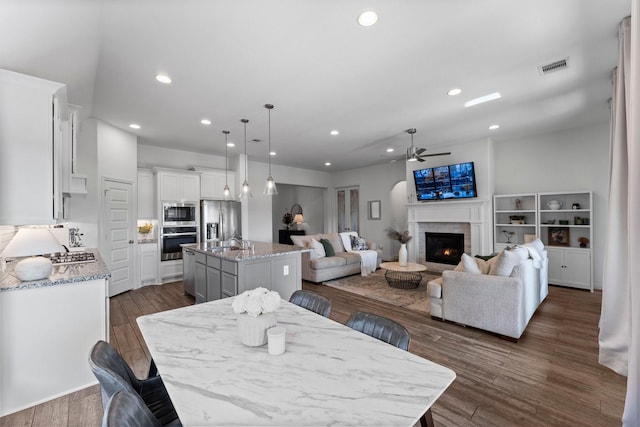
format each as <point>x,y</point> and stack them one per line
<point>30,242</point>
<point>298,219</point>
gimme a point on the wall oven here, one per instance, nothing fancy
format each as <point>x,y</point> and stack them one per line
<point>173,237</point>
<point>179,214</point>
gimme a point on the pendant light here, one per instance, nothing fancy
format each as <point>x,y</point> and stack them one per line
<point>246,191</point>
<point>227,191</point>
<point>270,186</point>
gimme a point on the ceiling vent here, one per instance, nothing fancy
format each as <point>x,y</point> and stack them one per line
<point>554,66</point>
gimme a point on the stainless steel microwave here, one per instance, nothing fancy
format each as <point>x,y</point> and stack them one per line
<point>180,214</point>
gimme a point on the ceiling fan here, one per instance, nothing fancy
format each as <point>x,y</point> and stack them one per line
<point>415,154</point>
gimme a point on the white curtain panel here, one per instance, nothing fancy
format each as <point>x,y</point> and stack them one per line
<point>620,317</point>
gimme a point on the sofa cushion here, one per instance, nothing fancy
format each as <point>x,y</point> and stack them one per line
<point>507,260</point>
<point>335,240</point>
<point>304,241</point>
<point>350,257</point>
<point>318,249</point>
<point>328,262</point>
<point>434,288</point>
<point>328,248</point>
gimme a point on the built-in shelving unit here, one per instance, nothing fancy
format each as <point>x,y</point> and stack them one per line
<point>514,220</point>
<point>566,230</point>
<point>561,220</point>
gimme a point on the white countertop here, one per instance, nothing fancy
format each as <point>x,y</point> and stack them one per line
<point>61,274</point>
<point>329,374</point>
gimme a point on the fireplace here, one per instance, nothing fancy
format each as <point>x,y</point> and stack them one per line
<point>444,248</point>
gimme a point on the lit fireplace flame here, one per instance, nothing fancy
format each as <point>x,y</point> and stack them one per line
<point>447,252</point>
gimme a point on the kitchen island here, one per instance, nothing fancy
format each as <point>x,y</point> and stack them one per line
<point>47,328</point>
<point>212,271</point>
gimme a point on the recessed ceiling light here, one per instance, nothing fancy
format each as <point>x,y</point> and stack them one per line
<point>230,144</point>
<point>389,150</point>
<point>134,126</point>
<point>334,132</point>
<point>163,79</point>
<point>367,18</point>
<point>327,163</point>
<point>494,127</point>
<point>205,122</point>
<point>491,97</point>
<point>454,92</point>
<point>272,153</point>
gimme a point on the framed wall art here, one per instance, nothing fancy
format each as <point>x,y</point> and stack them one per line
<point>374,209</point>
<point>558,236</point>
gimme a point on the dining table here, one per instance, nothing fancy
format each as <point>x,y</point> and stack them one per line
<point>329,373</point>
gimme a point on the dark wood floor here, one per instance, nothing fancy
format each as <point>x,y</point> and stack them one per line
<point>551,377</point>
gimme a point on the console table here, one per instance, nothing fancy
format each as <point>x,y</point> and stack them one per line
<point>284,236</point>
<point>403,277</point>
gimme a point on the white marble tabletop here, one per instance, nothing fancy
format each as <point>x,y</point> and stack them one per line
<point>329,374</point>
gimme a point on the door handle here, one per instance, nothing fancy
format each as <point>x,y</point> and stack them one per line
<point>131,242</point>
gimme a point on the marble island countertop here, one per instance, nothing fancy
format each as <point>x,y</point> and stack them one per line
<point>256,250</point>
<point>61,274</point>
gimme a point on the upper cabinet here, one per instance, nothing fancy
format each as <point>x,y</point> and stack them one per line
<point>178,186</point>
<point>146,194</point>
<point>212,184</point>
<point>31,134</point>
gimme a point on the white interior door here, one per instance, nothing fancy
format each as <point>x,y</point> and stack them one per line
<point>348,204</point>
<point>119,229</point>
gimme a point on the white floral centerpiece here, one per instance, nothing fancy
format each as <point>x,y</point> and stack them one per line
<point>256,302</point>
<point>257,313</point>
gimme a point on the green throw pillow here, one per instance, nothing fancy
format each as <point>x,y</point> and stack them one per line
<point>328,247</point>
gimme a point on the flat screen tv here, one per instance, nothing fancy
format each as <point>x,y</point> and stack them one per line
<point>445,182</point>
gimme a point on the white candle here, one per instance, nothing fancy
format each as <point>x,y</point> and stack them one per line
<point>276,340</point>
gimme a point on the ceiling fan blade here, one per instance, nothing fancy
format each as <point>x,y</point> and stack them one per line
<point>420,159</point>
<point>435,154</point>
<point>420,150</point>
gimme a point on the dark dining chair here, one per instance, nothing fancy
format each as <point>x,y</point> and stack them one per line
<point>311,301</point>
<point>115,375</point>
<point>126,409</point>
<point>389,331</point>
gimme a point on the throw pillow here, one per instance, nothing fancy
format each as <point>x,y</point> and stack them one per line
<point>328,247</point>
<point>362,244</point>
<point>354,242</point>
<point>507,260</point>
<point>470,265</point>
<point>318,248</point>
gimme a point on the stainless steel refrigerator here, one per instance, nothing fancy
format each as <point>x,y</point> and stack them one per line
<point>220,220</point>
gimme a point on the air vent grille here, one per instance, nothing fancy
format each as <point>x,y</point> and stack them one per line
<point>554,66</point>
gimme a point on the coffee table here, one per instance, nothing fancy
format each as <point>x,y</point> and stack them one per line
<point>403,277</point>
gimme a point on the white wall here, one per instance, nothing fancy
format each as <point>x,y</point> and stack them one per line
<point>103,151</point>
<point>375,183</point>
<point>311,199</point>
<point>149,157</point>
<point>571,160</point>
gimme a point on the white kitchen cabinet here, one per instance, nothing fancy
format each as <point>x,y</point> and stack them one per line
<point>46,333</point>
<point>31,110</point>
<point>178,186</point>
<point>570,267</point>
<point>148,256</point>
<point>212,185</point>
<point>72,184</point>
<point>146,194</point>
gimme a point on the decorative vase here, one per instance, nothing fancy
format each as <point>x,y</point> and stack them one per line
<point>402,255</point>
<point>253,329</point>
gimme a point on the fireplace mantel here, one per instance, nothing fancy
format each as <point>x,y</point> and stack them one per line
<point>476,213</point>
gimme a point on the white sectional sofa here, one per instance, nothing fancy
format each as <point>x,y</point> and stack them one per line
<point>499,295</point>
